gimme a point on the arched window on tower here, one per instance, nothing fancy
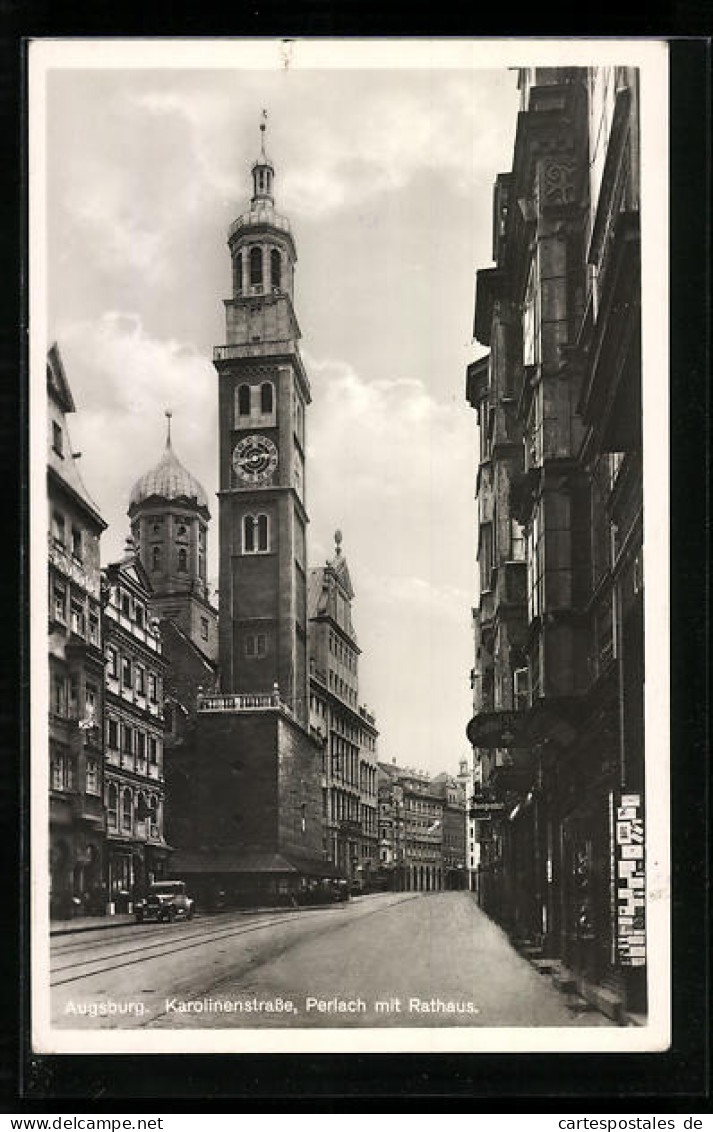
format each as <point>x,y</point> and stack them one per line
<point>156,558</point>
<point>182,560</point>
<point>255,267</point>
<point>238,273</point>
<point>266,398</point>
<point>256,534</point>
<point>249,534</point>
<point>244,401</point>
<point>275,269</point>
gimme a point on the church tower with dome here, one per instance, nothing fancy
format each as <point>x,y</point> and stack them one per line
<point>169,515</point>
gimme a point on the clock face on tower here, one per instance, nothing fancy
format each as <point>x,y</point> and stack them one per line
<point>255,459</point>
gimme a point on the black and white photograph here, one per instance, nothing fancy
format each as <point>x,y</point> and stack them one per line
<point>349,545</point>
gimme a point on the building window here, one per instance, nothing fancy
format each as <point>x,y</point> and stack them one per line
<point>182,561</point>
<point>275,269</point>
<point>58,528</point>
<point>238,274</point>
<point>156,558</point>
<point>112,807</point>
<point>127,673</point>
<point>93,629</point>
<point>126,605</point>
<point>112,662</point>
<point>59,695</point>
<point>517,541</point>
<point>256,534</point>
<point>244,401</point>
<point>77,618</point>
<point>521,689</point>
<point>153,687</point>
<point>112,737</point>
<point>140,680</point>
<point>140,746</point>
<point>486,556</point>
<point>57,444</point>
<point>531,319</point>
<point>204,628</point>
<point>256,646</point>
<point>139,615</point>
<point>91,699</point>
<point>255,267</point>
<point>77,543</point>
<point>92,780</point>
<point>266,398</point>
<point>128,747</point>
<point>126,808</point>
<point>60,602</point>
<point>153,750</point>
<point>535,566</point>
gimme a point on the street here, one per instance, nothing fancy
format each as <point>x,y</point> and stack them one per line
<point>396,959</point>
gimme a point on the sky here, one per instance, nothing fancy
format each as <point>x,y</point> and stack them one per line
<point>386,176</point>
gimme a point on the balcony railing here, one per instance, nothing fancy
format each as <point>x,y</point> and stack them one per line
<point>254,349</point>
<point>243,701</point>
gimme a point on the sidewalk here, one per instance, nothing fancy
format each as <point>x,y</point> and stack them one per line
<point>127,920</point>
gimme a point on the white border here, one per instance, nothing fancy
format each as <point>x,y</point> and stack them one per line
<point>651,56</point>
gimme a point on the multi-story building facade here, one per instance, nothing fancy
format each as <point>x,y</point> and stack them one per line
<point>134,791</point>
<point>410,830</point>
<point>346,728</point>
<point>76,667</point>
<point>557,729</point>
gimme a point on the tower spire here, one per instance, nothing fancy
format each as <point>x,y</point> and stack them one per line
<point>168,414</point>
<point>263,171</point>
<point>263,128</point>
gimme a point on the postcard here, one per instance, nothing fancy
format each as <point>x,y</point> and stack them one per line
<point>349,510</point>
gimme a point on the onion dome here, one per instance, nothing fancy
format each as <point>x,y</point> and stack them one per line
<point>168,482</point>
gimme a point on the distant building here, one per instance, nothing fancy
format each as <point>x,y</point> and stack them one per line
<point>410,830</point>
<point>345,728</point>
<point>76,667</point>
<point>453,845</point>
<point>134,677</point>
<point>558,724</point>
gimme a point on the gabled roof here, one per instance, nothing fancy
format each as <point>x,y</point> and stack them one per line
<point>131,569</point>
<point>338,566</point>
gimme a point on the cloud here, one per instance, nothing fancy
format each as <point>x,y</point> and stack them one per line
<point>123,380</point>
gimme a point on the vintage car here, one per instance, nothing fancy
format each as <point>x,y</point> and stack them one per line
<point>165,901</point>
